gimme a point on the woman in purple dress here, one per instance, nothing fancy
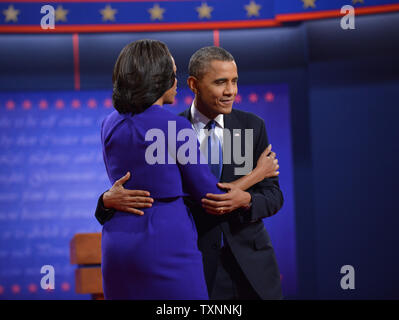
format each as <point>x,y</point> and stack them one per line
<point>153,256</point>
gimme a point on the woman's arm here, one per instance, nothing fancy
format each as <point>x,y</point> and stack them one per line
<point>237,197</point>
<point>266,167</point>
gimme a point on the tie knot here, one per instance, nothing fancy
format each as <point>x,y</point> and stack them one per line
<point>210,125</point>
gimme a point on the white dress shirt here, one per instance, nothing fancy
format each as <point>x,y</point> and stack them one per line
<point>199,121</point>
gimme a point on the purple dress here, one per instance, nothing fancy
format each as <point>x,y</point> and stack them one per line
<point>154,256</point>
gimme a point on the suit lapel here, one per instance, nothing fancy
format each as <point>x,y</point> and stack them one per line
<point>230,123</point>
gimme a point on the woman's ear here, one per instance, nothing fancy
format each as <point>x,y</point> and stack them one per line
<point>192,82</point>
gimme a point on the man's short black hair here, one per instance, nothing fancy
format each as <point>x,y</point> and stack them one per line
<point>143,72</point>
<point>201,59</point>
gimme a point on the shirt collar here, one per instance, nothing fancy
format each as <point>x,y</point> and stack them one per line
<point>200,120</point>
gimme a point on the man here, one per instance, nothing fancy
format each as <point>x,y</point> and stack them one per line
<point>239,260</point>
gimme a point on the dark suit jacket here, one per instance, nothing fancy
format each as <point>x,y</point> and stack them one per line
<point>244,230</point>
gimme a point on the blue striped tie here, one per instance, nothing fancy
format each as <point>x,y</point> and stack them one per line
<point>214,145</point>
<point>216,169</point>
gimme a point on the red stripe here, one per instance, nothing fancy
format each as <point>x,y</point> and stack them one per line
<point>75,41</point>
<point>307,15</point>
<point>335,13</point>
<point>216,41</point>
<point>142,27</point>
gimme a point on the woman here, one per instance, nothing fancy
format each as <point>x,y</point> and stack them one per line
<point>154,256</point>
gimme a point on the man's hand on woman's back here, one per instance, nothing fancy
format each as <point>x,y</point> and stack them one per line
<point>126,200</point>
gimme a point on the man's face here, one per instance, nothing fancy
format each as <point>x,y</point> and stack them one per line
<point>217,88</point>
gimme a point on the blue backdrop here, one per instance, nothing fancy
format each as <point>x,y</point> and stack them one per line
<point>52,172</point>
<point>343,92</point>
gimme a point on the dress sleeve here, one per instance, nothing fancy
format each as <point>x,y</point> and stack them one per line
<point>197,178</point>
<point>103,214</point>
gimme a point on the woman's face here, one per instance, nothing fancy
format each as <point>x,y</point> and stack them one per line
<point>169,96</point>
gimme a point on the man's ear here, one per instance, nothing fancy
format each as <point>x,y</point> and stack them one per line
<point>192,82</point>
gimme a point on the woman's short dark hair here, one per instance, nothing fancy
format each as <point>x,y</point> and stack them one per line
<point>143,72</point>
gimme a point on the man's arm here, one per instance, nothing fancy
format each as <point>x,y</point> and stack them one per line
<point>266,167</point>
<point>120,199</point>
<point>237,197</point>
<point>103,214</point>
<point>266,196</point>
<point>262,200</point>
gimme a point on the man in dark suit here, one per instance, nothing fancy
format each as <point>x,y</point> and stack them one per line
<point>239,260</point>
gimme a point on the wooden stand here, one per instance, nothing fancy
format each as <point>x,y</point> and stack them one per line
<point>85,252</point>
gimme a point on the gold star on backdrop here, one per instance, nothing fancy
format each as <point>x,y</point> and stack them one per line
<point>357,1</point>
<point>156,12</point>
<point>204,11</point>
<point>108,13</point>
<point>60,14</point>
<point>252,9</point>
<point>11,14</point>
<point>309,3</point>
